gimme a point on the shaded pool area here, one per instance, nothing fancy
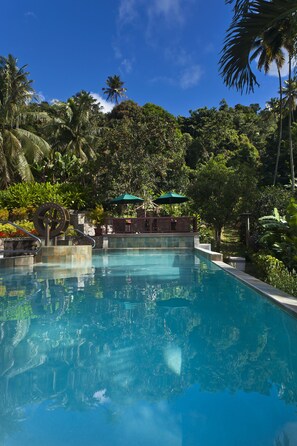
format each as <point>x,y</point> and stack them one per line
<point>145,347</point>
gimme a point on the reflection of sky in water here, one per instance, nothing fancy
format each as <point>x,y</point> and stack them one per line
<point>158,349</point>
<point>193,418</point>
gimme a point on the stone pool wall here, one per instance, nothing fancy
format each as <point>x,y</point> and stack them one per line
<point>65,254</point>
<point>148,241</point>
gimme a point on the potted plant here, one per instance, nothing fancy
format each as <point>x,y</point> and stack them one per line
<point>97,216</point>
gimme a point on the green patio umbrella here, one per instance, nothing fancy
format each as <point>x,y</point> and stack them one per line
<point>126,199</point>
<point>171,198</point>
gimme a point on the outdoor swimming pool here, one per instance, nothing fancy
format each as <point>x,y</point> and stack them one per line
<point>145,348</point>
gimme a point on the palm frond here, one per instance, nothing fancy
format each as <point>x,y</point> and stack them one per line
<point>34,147</point>
<point>17,164</point>
<point>241,36</point>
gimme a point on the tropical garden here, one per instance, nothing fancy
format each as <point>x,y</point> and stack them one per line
<point>228,160</point>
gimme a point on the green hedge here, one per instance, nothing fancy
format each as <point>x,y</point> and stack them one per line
<point>274,272</point>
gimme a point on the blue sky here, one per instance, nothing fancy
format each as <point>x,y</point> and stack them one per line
<point>166,51</point>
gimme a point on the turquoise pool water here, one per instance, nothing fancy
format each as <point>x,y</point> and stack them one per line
<point>145,348</point>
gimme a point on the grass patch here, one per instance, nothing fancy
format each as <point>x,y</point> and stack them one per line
<point>231,244</point>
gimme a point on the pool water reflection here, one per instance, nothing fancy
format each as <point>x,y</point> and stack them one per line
<point>150,348</point>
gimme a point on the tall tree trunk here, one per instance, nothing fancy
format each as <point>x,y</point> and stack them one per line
<point>280,125</point>
<point>290,126</point>
<point>218,234</point>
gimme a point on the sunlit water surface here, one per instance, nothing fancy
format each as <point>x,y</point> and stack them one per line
<point>146,348</point>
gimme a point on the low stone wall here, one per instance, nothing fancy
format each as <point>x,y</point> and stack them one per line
<point>210,255</point>
<point>148,241</point>
<point>17,246</point>
<point>65,254</point>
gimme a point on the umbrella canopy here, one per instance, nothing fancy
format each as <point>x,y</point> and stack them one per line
<point>126,199</point>
<point>171,198</point>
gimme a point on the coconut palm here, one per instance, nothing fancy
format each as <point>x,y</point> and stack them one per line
<point>19,148</point>
<point>73,127</point>
<point>115,88</point>
<point>290,94</point>
<point>267,52</point>
<point>275,18</point>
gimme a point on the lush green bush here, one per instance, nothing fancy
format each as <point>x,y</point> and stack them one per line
<point>32,195</point>
<point>279,235</point>
<point>274,272</point>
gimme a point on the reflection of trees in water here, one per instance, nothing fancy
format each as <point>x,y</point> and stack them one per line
<point>247,348</point>
<point>76,344</point>
<point>141,339</point>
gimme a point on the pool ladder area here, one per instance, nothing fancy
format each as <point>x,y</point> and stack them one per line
<point>33,251</point>
<point>37,248</point>
<point>92,240</point>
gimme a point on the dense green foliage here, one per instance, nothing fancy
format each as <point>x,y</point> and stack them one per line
<point>279,235</point>
<point>32,195</point>
<point>273,271</point>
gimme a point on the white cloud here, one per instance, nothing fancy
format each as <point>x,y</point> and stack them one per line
<point>107,106</point>
<point>285,69</point>
<point>55,101</point>
<point>178,56</point>
<point>190,77</point>
<point>127,11</point>
<point>163,80</point>
<point>31,14</point>
<point>127,65</point>
<point>151,16</point>
<point>40,96</point>
<point>171,10</point>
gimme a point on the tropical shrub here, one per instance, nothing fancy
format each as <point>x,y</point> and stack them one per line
<point>75,196</point>
<point>97,215</point>
<point>26,195</point>
<point>17,214</point>
<point>4,214</point>
<point>274,272</point>
<point>279,235</point>
<point>8,231</point>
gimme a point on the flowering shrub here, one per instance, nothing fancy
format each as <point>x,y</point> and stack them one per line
<point>4,214</point>
<point>8,231</point>
<point>18,214</point>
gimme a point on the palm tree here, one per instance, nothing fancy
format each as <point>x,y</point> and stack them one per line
<point>73,128</point>
<point>19,148</point>
<point>267,53</point>
<point>115,88</point>
<point>290,94</point>
<point>275,18</point>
